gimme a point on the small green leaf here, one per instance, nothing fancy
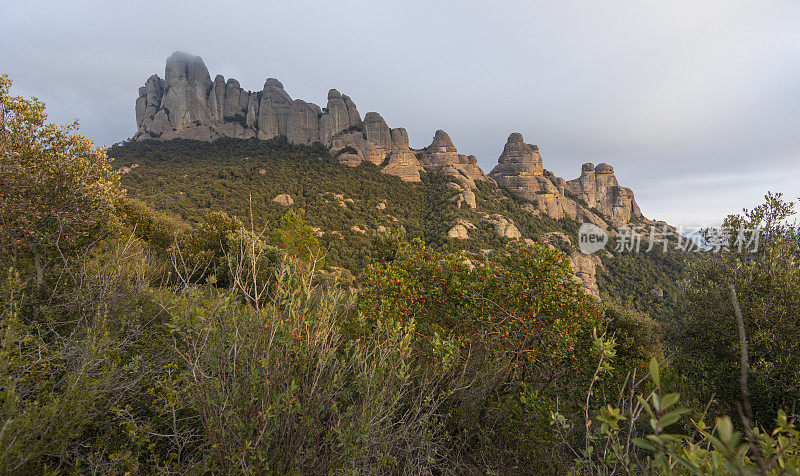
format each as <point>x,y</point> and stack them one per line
<point>646,405</point>
<point>725,429</point>
<point>670,418</point>
<point>782,420</point>
<point>642,443</point>
<point>669,399</point>
<point>654,373</point>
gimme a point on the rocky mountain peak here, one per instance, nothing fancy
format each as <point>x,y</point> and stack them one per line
<point>185,67</point>
<point>520,168</point>
<point>599,188</point>
<point>187,104</point>
<point>517,158</point>
<point>442,143</point>
<point>272,83</point>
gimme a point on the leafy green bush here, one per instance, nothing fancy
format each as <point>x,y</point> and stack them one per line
<point>156,228</point>
<point>767,283</point>
<point>618,443</point>
<point>517,325</point>
<point>637,335</point>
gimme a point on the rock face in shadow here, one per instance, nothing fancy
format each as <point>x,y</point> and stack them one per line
<point>178,105</point>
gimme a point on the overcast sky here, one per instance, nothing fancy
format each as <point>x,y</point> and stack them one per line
<point>696,103</point>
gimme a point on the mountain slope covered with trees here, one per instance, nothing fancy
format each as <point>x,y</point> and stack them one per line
<point>348,206</point>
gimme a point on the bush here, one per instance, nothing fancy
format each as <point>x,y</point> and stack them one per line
<point>767,283</point>
<point>638,336</point>
<point>516,325</point>
<point>280,390</point>
<point>618,443</point>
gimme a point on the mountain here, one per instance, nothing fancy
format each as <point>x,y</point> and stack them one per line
<point>467,202</point>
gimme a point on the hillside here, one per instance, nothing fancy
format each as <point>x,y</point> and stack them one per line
<point>354,210</point>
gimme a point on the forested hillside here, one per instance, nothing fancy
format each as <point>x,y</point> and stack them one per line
<point>192,178</point>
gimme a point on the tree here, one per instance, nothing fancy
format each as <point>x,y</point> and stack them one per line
<point>297,238</point>
<point>767,284</point>
<point>57,190</point>
<point>203,251</point>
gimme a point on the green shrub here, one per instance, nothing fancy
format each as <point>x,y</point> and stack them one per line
<point>767,282</point>
<point>516,325</point>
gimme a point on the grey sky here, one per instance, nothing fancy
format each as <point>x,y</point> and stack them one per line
<point>696,104</point>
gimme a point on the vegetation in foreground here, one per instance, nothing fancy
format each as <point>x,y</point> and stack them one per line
<point>135,342</point>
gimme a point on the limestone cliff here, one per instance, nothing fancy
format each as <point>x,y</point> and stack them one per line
<point>598,186</point>
<point>520,169</point>
<point>187,104</point>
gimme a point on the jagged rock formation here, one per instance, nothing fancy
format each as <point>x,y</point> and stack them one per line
<point>504,227</point>
<point>598,186</point>
<point>377,144</point>
<point>187,104</point>
<point>442,156</point>
<point>520,169</point>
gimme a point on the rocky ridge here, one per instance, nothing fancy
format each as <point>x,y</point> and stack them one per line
<point>187,104</point>
<point>600,198</point>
